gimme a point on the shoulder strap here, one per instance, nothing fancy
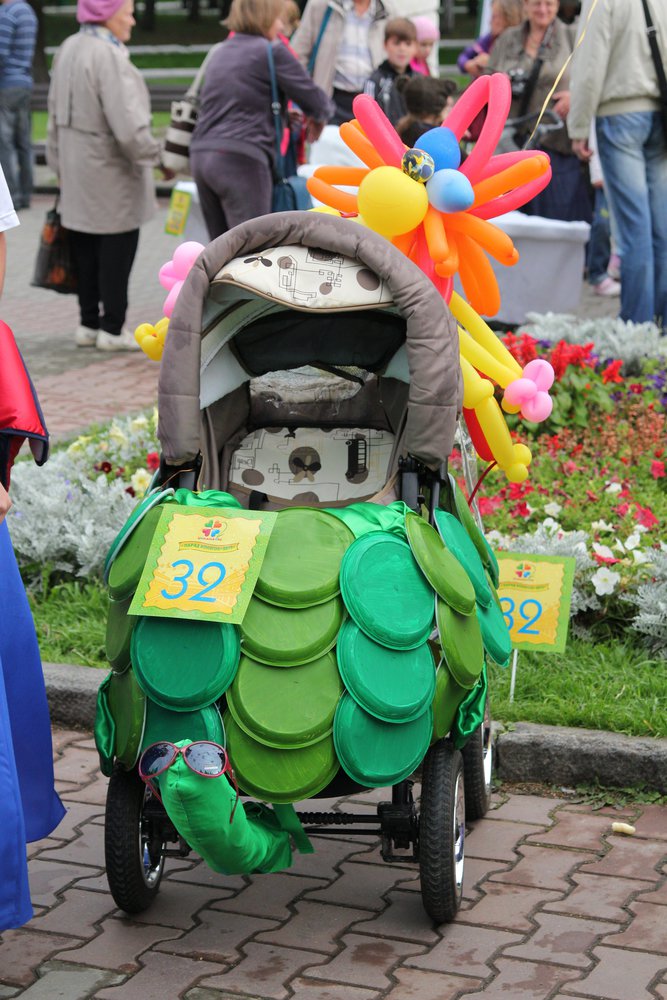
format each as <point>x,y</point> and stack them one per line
<point>276,111</point>
<point>652,33</point>
<point>316,46</point>
<point>193,90</point>
<point>535,72</point>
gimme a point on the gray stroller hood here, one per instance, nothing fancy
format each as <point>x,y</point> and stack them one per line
<point>431,336</point>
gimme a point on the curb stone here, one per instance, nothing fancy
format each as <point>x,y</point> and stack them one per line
<point>527,753</point>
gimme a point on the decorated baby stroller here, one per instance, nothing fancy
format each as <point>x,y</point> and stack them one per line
<point>311,370</point>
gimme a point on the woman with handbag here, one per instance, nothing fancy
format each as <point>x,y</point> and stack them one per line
<point>100,145</point>
<point>533,55</point>
<point>232,153</point>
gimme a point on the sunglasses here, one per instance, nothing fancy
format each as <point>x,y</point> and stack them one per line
<point>204,757</point>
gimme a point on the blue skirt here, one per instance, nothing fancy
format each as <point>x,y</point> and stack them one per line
<point>30,808</point>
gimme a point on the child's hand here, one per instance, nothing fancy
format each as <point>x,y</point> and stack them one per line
<point>5,502</point>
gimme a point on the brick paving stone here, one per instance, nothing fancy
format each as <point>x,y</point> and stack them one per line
<point>414,984</point>
<point>176,906</point>
<point>86,849</point>
<point>23,951</point>
<point>94,793</point>
<point>646,932</point>
<point>598,896</point>
<point>507,906</point>
<point>200,874</point>
<point>543,868</point>
<point>476,871</point>
<point>305,990</point>
<point>496,841</point>
<point>631,858</point>
<point>620,975</point>
<point>655,896</point>
<point>562,940</point>
<point>465,948</point>
<point>361,886</point>
<point>364,961</point>
<point>60,982</point>
<point>217,936</point>
<point>263,972</point>
<point>315,926</point>
<point>77,815</point>
<point>533,809</point>
<point>77,765</point>
<point>162,977</point>
<point>330,853</point>
<point>49,878</point>
<point>118,945</point>
<point>517,980</point>
<point>404,918</point>
<point>61,738</point>
<point>77,914</point>
<point>269,895</point>
<point>581,831</point>
<point>652,823</point>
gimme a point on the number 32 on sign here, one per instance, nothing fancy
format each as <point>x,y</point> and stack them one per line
<point>535,594</point>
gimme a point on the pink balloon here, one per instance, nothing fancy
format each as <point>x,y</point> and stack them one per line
<point>379,129</point>
<point>185,256</point>
<point>167,275</point>
<point>538,408</point>
<point>170,300</point>
<point>541,372</point>
<point>530,392</point>
<point>172,274</point>
<point>499,91</point>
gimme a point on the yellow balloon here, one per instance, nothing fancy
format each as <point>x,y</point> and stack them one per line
<point>390,202</point>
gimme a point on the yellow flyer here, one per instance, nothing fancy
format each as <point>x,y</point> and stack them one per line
<point>177,215</point>
<point>535,594</point>
<point>203,563</point>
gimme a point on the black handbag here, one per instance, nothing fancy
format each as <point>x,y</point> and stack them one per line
<point>54,266</point>
<point>290,194</point>
<point>652,33</point>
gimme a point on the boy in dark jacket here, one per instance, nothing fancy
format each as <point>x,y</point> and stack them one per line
<point>400,43</point>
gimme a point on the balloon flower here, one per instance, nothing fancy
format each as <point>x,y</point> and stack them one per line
<point>175,271</point>
<point>151,338</point>
<point>436,210</point>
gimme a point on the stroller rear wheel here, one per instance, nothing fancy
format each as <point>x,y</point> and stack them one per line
<point>132,843</point>
<point>478,768</point>
<point>442,832</point>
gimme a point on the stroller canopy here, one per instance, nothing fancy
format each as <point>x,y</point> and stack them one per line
<point>304,288</point>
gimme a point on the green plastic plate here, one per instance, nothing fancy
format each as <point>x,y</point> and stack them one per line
<point>127,704</point>
<point>385,591</point>
<point>182,664</point>
<point>165,724</point>
<point>468,521</point>
<point>443,571</point>
<point>119,634</point>
<point>460,544</point>
<point>286,708</point>
<point>128,565</point>
<point>448,697</point>
<point>137,515</point>
<point>287,637</point>
<point>461,641</point>
<point>375,753</point>
<point>495,634</point>
<point>279,775</point>
<point>303,557</point>
<point>394,685</point>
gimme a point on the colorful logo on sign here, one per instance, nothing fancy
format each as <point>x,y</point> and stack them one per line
<point>535,594</point>
<point>524,570</point>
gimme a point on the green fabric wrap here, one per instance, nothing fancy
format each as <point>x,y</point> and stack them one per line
<point>105,728</point>
<point>207,498</point>
<point>364,517</point>
<point>200,809</point>
<point>470,713</point>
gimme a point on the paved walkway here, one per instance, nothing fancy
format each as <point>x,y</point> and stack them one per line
<point>555,906</point>
<point>78,387</point>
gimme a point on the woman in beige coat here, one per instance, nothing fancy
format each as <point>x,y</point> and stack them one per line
<point>100,146</point>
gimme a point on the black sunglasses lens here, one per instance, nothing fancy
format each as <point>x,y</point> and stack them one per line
<point>206,758</point>
<point>156,758</point>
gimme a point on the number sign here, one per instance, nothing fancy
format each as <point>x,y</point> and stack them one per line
<point>535,593</point>
<point>203,563</point>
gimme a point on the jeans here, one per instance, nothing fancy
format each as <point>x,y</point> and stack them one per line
<point>633,154</point>
<point>103,265</point>
<point>599,245</point>
<point>16,144</point>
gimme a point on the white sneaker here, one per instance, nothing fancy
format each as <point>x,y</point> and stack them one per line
<point>124,341</point>
<point>607,287</point>
<point>85,336</point>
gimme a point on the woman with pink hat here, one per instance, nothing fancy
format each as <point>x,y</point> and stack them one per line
<point>427,36</point>
<point>101,147</point>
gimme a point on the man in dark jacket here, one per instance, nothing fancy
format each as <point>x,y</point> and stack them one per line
<point>400,42</point>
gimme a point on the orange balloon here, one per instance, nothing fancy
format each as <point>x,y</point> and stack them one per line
<point>354,138</point>
<point>436,237</point>
<point>493,239</point>
<point>450,265</point>
<point>350,176</point>
<point>512,177</point>
<point>405,241</point>
<point>477,277</point>
<point>331,196</point>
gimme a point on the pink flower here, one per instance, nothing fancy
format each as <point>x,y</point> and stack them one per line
<point>645,516</point>
<point>488,505</point>
<point>657,469</point>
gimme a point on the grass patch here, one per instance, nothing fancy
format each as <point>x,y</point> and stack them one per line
<point>70,619</point>
<point>607,685</point>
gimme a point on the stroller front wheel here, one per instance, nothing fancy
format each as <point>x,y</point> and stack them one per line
<point>132,844</point>
<point>442,832</point>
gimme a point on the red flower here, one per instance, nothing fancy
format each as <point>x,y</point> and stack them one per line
<point>130,490</point>
<point>645,516</point>
<point>488,505</point>
<point>657,469</point>
<point>622,509</point>
<point>103,467</point>
<point>605,560</point>
<point>611,372</point>
<point>152,461</point>
<point>520,510</point>
<point>593,497</point>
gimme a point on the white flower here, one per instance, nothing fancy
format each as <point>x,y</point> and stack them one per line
<point>632,541</point>
<point>550,525</point>
<point>605,581</point>
<point>640,528</point>
<point>140,481</point>
<point>602,526</point>
<point>117,435</point>
<point>139,423</point>
<point>618,544</point>
<point>494,537</point>
<point>640,557</point>
<point>613,488</point>
<point>603,550</point>
<point>553,509</point>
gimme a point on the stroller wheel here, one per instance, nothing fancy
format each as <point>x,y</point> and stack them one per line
<point>478,768</point>
<point>442,832</point>
<point>132,843</point>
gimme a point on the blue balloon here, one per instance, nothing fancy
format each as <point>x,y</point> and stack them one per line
<point>441,144</point>
<point>450,191</point>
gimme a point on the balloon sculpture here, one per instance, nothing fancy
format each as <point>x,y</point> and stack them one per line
<point>435,209</point>
<point>172,276</point>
